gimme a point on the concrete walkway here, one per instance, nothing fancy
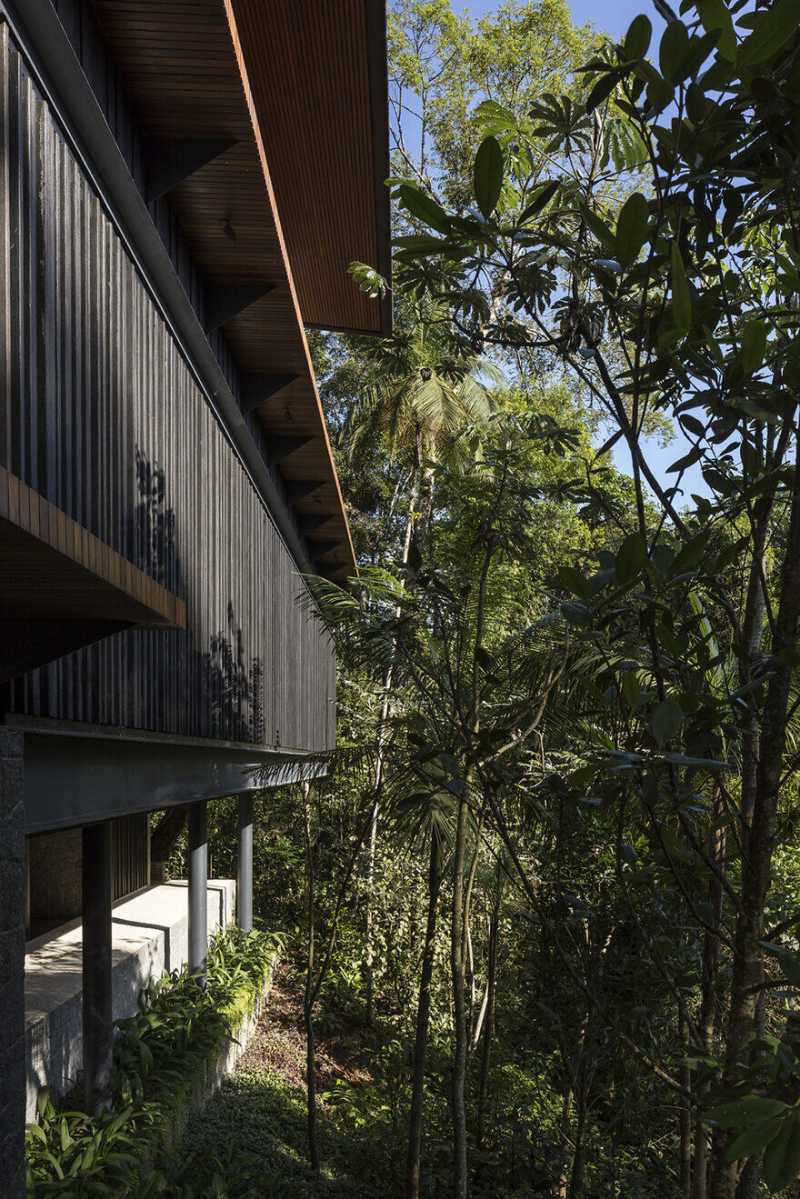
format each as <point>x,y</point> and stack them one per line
<point>150,935</point>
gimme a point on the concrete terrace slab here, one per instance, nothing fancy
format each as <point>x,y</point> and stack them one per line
<point>149,936</point>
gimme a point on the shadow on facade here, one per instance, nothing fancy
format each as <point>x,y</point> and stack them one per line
<point>230,683</point>
<point>235,686</point>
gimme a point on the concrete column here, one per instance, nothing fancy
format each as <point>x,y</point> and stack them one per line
<point>198,889</point>
<point>97,889</point>
<point>12,966</point>
<point>244,884</point>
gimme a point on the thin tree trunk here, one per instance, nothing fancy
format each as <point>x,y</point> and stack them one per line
<point>460,1187</point>
<point>578,1171</point>
<point>308,995</point>
<point>757,861</point>
<point>685,1117</point>
<point>708,999</point>
<point>491,987</point>
<point>562,1186</point>
<point>415,1121</point>
<point>380,766</point>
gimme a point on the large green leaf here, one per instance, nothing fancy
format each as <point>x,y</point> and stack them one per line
<point>674,51</point>
<point>666,720</point>
<point>600,229</point>
<point>754,345</point>
<point>782,1158</point>
<point>423,207</point>
<point>637,39</point>
<point>602,90</point>
<point>632,228</point>
<point>488,175</point>
<point>714,15</point>
<point>681,297</point>
<point>542,195</point>
<point>681,464</point>
<point>776,26</point>
<point>753,1139</point>
<point>631,557</point>
<point>750,1109</point>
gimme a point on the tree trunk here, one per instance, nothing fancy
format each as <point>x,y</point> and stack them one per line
<point>415,1119</point>
<point>578,1171</point>
<point>460,1187</point>
<point>308,995</point>
<point>708,998</point>
<point>759,843</point>
<point>380,765</point>
<point>486,1049</point>
<point>685,1118</point>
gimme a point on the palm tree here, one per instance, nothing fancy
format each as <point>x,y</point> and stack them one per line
<point>428,403</point>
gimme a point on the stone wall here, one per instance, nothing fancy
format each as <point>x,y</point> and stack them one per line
<point>12,957</point>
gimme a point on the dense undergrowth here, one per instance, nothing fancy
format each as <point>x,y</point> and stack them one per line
<point>179,1028</point>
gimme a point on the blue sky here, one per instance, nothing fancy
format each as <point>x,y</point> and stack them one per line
<point>614,17</point>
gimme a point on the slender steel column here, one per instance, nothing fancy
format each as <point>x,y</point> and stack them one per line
<point>198,889</point>
<point>97,1014</point>
<point>244,885</point>
<point>12,967</point>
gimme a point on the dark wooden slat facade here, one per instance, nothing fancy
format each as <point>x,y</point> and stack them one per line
<point>102,415</point>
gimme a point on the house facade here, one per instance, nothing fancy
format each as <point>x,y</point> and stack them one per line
<point>182,187</point>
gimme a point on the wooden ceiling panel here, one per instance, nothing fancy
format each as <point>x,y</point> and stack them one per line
<point>300,87</point>
<point>317,76</point>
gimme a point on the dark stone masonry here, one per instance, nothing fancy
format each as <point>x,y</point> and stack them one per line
<point>12,962</point>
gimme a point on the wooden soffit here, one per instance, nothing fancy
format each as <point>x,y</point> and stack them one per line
<point>316,72</point>
<point>279,107</point>
<point>61,587</point>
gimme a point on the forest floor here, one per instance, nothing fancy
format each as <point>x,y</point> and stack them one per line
<point>250,1140</point>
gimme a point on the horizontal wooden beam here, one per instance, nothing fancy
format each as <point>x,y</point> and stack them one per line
<point>256,389</point>
<point>318,549</point>
<point>224,303</point>
<point>61,587</point>
<point>281,447</point>
<point>297,489</point>
<point>310,524</point>
<point>169,162</point>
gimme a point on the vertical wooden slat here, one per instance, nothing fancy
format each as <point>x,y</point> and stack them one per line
<point>102,414</point>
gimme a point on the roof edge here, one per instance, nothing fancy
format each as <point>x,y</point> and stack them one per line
<point>248,93</point>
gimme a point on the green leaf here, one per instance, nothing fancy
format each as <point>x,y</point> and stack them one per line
<point>602,90</point>
<point>788,960</point>
<point>631,558</point>
<point>542,196</point>
<point>748,1110</point>
<point>673,51</point>
<point>600,229</point>
<point>424,208</point>
<point>691,554</point>
<point>782,1158</point>
<point>488,175</point>
<point>681,297</point>
<point>637,39</point>
<point>714,15</point>
<point>570,579</point>
<point>490,114</point>
<point>776,26</point>
<point>666,720</point>
<point>632,228</point>
<point>753,1139</point>
<point>754,345</point>
<point>694,455</point>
